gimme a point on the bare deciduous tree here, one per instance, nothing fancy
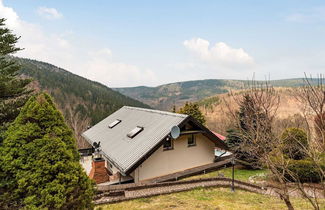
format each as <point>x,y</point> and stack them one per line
<point>255,130</point>
<point>255,121</point>
<point>312,99</point>
<point>78,123</point>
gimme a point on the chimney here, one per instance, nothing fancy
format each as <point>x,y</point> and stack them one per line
<point>99,172</point>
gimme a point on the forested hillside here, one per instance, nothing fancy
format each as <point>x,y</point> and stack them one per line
<point>82,101</point>
<point>165,96</point>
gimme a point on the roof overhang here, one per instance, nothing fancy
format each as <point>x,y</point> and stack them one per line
<point>206,132</point>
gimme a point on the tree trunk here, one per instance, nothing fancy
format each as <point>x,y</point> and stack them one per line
<point>287,202</point>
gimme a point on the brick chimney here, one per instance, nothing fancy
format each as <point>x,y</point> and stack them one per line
<point>99,172</point>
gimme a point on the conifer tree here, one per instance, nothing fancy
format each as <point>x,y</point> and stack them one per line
<point>240,137</point>
<point>39,161</point>
<point>193,110</point>
<point>13,92</point>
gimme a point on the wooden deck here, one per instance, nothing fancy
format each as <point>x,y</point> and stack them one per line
<point>192,171</point>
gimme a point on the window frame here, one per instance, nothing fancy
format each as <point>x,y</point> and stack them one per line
<point>171,145</point>
<point>114,123</point>
<point>191,137</point>
<point>134,132</point>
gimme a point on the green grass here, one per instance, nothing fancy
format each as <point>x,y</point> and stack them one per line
<point>240,174</point>
<point>208,198</point>
<point>212,198</point>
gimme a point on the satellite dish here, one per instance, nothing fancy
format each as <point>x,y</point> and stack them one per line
<point>96,145</point>
<point>175,132</point>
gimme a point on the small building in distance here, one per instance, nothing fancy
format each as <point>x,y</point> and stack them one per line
<point>219,153</point>
<point>136,145</point>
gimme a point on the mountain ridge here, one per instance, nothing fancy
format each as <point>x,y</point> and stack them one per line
<point>167,95</point>
<point>82,101</point>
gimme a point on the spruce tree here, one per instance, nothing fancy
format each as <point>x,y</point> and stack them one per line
<point>241,136</point>
<point>39,161</point>
<point>233,139</point>
<point>13,92</point>
<point>193,110</point>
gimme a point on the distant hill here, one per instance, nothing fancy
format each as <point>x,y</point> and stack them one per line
<point>82,101</point>
<point>165,96</point>
<point>218,118</point>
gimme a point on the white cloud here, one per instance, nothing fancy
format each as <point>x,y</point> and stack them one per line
<point>49,13</point>
<point>220,54</point>
<point>36,43</point>
<point>313,15</point>
<point>102,67</point>
<point>9,14</point>
<point>58,49</point>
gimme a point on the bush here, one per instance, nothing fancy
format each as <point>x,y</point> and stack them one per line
<point>305,171</point>
<point>294,143</point>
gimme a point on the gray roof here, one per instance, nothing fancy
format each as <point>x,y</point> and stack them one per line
<point>123,151</point>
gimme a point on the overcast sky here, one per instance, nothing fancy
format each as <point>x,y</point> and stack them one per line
<point>131,43</point>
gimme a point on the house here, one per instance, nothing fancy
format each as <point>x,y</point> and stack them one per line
<point>136,145</point>
<point>218,151</point>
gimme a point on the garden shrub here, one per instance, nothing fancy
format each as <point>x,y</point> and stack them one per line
<point>294,143</point>
<point>305,170</point>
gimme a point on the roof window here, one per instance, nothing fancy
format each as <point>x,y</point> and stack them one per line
<point>114,123</point>
<point>135,132</point>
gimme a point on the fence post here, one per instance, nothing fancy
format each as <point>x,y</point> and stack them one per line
<point>233,175</point>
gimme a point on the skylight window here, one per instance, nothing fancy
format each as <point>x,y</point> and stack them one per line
<point>114,123</point>
<point>135,132</point>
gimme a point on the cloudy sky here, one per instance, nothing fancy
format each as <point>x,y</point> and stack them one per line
<point>131,43</point>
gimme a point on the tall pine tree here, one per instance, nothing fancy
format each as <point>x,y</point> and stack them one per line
<point>39,161</point>
<point>13,92</point>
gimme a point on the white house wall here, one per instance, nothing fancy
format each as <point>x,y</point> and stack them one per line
<point>180,158</point>
<point>85,162</point>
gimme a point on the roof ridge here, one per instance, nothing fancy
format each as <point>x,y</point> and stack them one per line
<point>156,111</point>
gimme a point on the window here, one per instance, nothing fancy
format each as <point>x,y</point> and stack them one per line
<point>191,140</point>
<point>135,132</point>
<point>114,123</point>
<point>168,144</point>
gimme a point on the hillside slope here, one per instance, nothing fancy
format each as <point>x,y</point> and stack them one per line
<point>165,96</point>
<point>83,102</point>
<point>218,117</point>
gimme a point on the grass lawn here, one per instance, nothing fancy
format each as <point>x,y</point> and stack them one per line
<point>240,174</point>
<point>208,198</point>
<point>212,198</point>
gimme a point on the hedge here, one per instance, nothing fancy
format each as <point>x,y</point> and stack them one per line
<point>305,170</point>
